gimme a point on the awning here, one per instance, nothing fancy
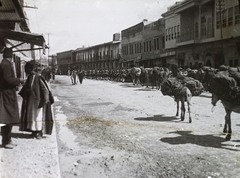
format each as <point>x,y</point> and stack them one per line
<point>32,38</point>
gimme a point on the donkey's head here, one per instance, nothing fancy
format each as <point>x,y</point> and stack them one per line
<point>215,99</point>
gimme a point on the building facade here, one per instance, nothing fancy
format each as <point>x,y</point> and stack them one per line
<point>153,44</point>
<point>207,32</point>
<point>64,60</point>
<point>103,56</point>
<point>192,33</point>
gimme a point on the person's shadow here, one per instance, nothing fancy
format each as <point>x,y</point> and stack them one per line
<point>201,140</point>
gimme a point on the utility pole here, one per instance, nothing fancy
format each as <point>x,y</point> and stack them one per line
<point>48,49</point>
<point>220,5</point>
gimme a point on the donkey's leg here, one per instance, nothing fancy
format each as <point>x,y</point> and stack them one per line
<point>228,124</point>
<point>177,107</point>
<point>182,110</point>
<point>225,124</point>
<point>190,119</point>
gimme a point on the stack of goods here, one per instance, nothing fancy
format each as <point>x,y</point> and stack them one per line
<point>225,88</point>
<point>234,73</point>
<point>193,85</point>
<point>171,87</point>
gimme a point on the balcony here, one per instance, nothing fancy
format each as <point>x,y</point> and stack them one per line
<point>193,37</point>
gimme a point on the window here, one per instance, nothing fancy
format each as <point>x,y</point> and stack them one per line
<point>146,46</point>
<point>150,45</point>
<point>156,43</point>
<point>224,18</point>
<point>175,32</point>
<point>237,15</point>
<point>196,30</point>
<point>131,49</point>
<point>178,31</point>
<point>235,62</point>
<point>111,53</point>
<point>210,27</point>
<point>230,16</point>
<point>231,63</point>
<point>166,34</point>
<point>203,27</point>
<point>218,25</point>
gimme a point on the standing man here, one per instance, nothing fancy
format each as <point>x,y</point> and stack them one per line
<point>9,112</point>
<point>80,76</point>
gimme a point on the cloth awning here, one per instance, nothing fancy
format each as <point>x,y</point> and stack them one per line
<point>25,37</point>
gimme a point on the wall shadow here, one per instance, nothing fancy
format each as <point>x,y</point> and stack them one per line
<point>212,141</point>
<point>159,118</point>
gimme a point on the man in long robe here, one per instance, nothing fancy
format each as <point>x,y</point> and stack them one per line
<point>9,111</point>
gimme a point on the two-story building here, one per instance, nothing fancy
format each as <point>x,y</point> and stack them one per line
<point>144,44</point>
<point>103,56</point>
<point>203,32</point>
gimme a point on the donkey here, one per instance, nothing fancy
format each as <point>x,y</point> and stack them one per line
<point>181,95</point>
<point>225,88</point>
<point>229,108</point>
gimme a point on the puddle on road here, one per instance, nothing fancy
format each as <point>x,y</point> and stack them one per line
<point>65,135</point>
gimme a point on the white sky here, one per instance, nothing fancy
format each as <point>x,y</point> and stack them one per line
<point>74,23</point>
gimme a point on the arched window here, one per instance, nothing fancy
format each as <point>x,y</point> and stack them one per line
<point>203,27</point>
<point>196,30</point>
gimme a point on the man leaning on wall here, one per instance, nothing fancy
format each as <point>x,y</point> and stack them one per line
<point>9,111</point>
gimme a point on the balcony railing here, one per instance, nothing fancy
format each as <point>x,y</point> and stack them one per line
<point>194,36</point>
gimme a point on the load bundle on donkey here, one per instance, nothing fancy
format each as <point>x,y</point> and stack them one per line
<point>225,88</point>
<point>195,86</point>
<point>234,72</point>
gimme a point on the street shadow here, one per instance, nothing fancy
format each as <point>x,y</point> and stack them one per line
<point>144,89</point>
<point>159,118</point>
<point>130,85</point>
<point>201,140</point>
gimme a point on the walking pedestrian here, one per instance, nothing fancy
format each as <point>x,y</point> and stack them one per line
<point>80,76</point>
<point>9,111</point>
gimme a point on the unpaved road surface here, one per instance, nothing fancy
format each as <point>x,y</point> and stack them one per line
<point>109,129</point>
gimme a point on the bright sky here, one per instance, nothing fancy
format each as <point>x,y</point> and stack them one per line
<point>70,24</point>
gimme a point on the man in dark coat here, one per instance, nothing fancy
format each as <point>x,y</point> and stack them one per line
<point>9,112</point>
<point>80,76</point>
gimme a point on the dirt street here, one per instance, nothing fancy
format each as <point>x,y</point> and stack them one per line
<point>109,129</point>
